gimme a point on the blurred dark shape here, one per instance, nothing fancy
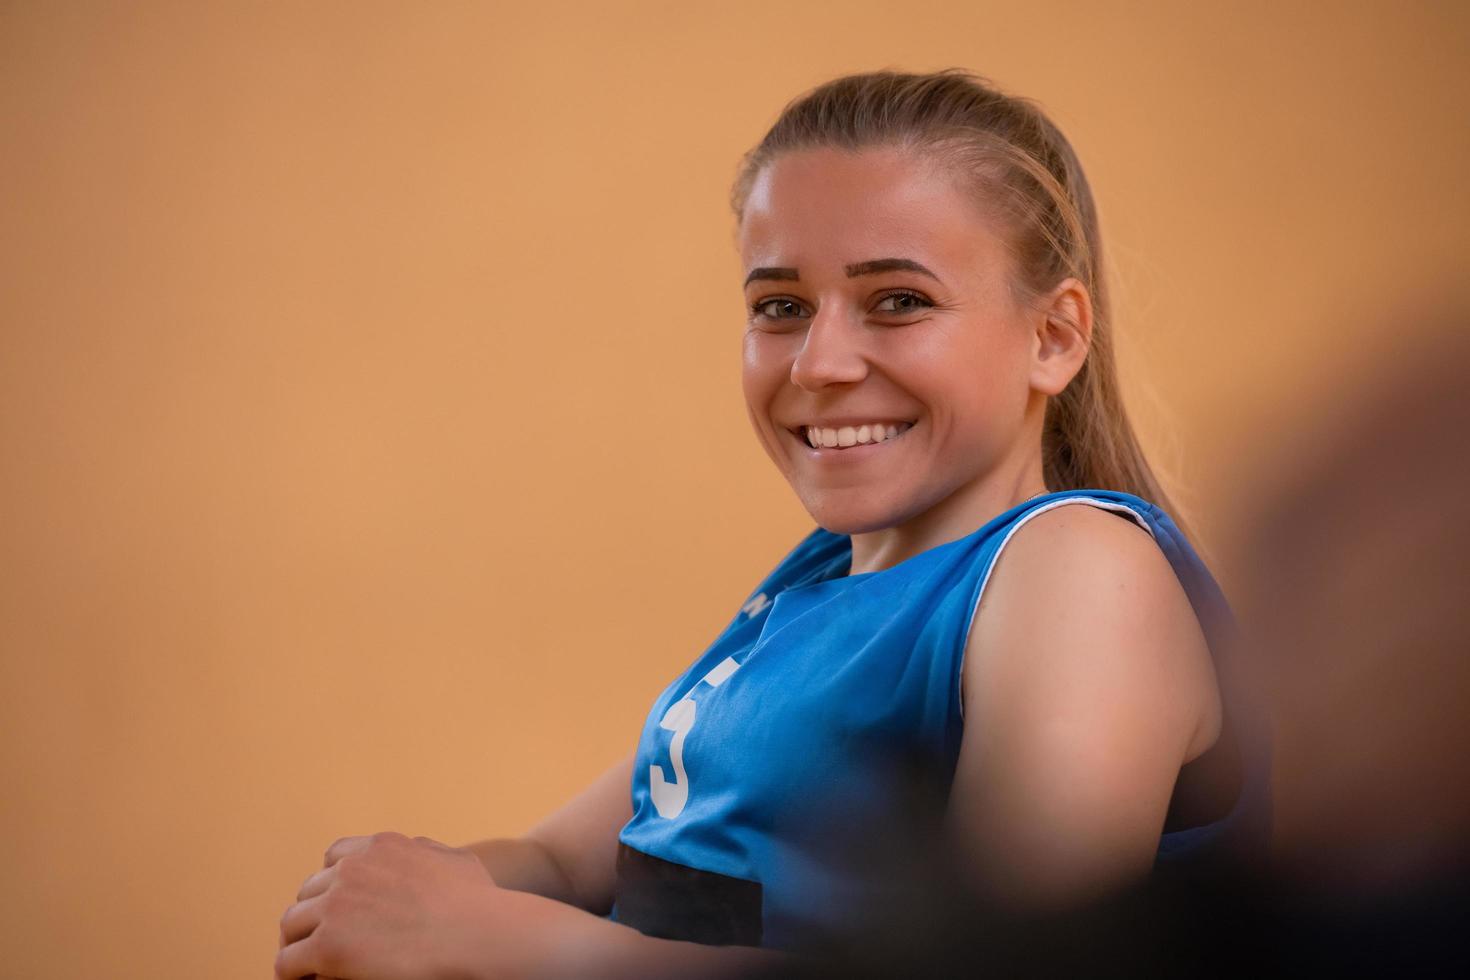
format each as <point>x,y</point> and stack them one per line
<point>1360,605</point>
<point>1357,623</point>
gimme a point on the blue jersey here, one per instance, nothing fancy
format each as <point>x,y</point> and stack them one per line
<point>763,768</point>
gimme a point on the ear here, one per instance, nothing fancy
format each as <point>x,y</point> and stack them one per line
<point>1063,336</point>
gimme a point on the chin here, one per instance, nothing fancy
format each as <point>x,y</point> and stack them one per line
<point>853,514</point>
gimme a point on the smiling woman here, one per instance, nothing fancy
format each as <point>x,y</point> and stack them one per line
<point>933,339</point>
<point>995,633</point>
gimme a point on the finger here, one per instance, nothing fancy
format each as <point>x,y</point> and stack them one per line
<point>300,920</point>
<point>343,846</point>
<point>316,883</point>
<point>298,960</point>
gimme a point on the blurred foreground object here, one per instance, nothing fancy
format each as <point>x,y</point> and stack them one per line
<point>1360,606</point>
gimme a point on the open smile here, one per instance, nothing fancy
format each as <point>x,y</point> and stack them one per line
<point>847,440</point>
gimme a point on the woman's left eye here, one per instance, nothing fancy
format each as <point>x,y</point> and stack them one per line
<point>902,303</point>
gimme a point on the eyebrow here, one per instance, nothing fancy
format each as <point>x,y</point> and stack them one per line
<point>869,268</point>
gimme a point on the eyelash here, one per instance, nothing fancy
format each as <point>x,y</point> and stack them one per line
<point>755,308</point>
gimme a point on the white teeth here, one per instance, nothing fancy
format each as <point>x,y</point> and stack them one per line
<point>849,435</point>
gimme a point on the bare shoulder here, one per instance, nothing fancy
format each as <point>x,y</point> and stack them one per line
<point>1081,595</point>
<point>1083,539</point>
<point>1086,684</point>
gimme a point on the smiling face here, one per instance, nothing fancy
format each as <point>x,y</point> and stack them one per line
<point>887,366</point>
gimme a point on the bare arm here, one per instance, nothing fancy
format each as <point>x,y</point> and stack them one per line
<point>1087,683</point>
<point>621,953</point>
<point>571,855</point>
<point>387,905</point>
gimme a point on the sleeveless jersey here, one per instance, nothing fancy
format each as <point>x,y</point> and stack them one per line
<point>766,765</point>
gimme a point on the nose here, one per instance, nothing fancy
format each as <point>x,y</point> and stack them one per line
<point>831,353</point>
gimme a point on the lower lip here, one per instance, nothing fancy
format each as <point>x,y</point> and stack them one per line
<point>850,454</point>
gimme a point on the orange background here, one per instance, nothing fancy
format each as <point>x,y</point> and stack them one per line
<point>371,445</point>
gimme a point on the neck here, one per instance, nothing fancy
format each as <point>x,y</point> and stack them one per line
<point>957,515</point>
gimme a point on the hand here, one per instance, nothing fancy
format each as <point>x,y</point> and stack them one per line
<point>388,907</point>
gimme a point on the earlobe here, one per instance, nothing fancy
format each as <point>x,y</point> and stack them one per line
<point>1063,336</point>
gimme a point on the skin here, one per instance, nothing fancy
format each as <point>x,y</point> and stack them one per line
<point>387,907</point>
<point>1086,682</point>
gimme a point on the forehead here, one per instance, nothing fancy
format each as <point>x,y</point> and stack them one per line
<point>830,207</point>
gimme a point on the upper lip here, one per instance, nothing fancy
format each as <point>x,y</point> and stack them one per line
<point>850,420</point>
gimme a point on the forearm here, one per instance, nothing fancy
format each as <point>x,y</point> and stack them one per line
<point>646,958</point>
<point>523,865</point>
<point>501,934</point>
<point>611,951</point>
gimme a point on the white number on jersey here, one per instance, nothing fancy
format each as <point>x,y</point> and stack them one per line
<point>669,797</point>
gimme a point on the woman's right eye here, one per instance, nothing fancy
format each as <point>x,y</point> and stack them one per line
<point>779,308</point>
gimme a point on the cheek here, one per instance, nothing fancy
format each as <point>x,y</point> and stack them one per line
<point>764,366</point>
<point>976,391</point>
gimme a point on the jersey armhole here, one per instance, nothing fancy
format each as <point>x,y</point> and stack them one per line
<point>1121,509</point>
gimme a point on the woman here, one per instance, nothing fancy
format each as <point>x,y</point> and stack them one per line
<point>994,610</point>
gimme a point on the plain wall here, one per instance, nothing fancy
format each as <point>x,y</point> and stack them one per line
<point>371,444</point>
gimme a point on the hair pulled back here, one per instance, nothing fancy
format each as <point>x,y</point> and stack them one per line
<point>1025,175</point>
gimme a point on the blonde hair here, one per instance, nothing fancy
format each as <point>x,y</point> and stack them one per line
<point>1027,176</point>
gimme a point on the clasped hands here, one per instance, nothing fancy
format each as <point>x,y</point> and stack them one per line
<point>390,907</point>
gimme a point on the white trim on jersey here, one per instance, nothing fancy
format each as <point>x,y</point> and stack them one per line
<point>1111,505</point>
